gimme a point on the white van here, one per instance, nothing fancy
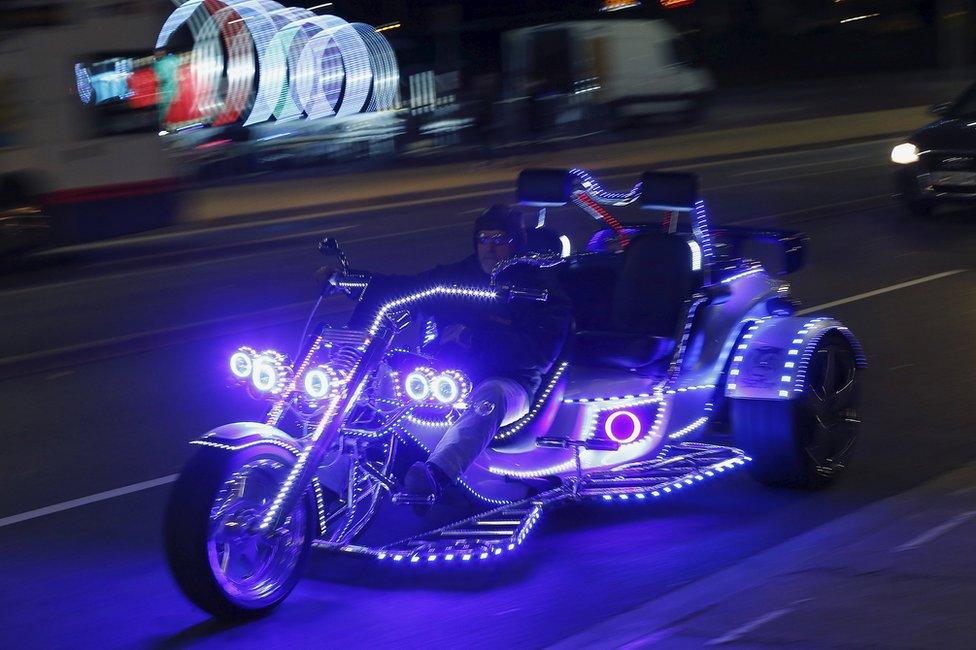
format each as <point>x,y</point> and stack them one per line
<point>632,68</point>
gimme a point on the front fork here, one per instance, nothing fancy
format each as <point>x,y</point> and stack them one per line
<point>325,433</point>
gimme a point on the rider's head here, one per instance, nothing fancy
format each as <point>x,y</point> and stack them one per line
<point>499,233</point>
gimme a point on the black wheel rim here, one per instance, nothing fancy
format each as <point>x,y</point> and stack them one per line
<point>832,399</point>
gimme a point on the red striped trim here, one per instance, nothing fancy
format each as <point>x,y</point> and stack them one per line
<point>102,192</point>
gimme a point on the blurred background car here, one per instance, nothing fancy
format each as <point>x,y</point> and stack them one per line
<point>936,165</point>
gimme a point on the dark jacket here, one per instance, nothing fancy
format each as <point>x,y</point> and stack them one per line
<point>518,340</point>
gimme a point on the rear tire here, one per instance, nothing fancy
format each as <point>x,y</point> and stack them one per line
<point>220,566</point>
<point>807,441</point>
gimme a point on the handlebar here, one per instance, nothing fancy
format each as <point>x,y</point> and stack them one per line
<point>537,260</point>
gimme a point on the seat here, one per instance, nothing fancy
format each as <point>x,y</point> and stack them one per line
<point>544,241</point>
<point>638,326</point>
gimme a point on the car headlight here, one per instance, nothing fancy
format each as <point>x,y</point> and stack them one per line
<point>242,362</point>
<point>317,382</point>
<point>905,153</point>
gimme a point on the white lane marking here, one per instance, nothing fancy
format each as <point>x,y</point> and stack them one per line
<point>776,179</point>
<point>878,292</point>
<point>820,163</point>
<point>934,533</point>
<point>812,208</point>
<point>84,501</point>
<point>59,375</point>
<point>136,272</point>
<point>742,630</point>
<point>963,490</point>
<point>745,159</point>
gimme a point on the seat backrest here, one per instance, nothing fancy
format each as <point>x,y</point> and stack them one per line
<point>654,284</point>
<point>589,283</point>
<point>543,240</point>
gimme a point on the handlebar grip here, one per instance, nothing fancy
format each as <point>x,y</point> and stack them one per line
<point>523,293</point>
<point>350,283</point>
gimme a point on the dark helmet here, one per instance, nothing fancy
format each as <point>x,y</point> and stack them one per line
<point>502,217</point>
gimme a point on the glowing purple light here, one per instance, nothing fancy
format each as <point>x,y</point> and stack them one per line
<point>635,427</point>
<point>265,375</point>
<point>446,389</point>
<point>417,386</point>
<point>317,383</point>
<point>242,363</point>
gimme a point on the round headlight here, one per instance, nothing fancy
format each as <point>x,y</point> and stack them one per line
<point>905,153</point>
<point>265,375</point>
<point>446,389</point>
<point>242,363</point>
<point>417,386</point>
<point>317,383</point>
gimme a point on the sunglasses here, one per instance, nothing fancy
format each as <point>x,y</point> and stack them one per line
<point>498,240</point>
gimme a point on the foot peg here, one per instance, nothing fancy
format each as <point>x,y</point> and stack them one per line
<point>407,499</point>
<point>593,444</point>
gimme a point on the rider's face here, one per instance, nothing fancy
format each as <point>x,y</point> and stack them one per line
<point>493,247</point>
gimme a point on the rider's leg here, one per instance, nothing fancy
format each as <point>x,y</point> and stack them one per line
<point>494,403</point>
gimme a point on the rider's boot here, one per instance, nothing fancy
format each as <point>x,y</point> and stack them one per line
<point>425,479</point>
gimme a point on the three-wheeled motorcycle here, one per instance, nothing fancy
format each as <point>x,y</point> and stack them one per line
<point>686,361</point>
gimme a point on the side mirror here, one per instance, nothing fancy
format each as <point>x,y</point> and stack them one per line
<point>330,246</point>
<point>940,109</point>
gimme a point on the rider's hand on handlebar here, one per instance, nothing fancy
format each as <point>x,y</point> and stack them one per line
<point>326,273</point>
<point>456,334</point>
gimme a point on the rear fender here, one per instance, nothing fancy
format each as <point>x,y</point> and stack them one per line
<point>241,435</point>
<point>770,362</point>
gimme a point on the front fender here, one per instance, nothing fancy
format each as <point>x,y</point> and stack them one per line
<point>241,435</point>
<point>771,360</point>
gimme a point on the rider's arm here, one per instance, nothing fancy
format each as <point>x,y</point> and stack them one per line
<point>534,336</point>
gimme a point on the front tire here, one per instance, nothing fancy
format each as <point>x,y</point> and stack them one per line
<point>218,559</point>
<point>807,441</point>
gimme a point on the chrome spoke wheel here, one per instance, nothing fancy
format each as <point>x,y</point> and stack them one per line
<point>249,564</point>
<point>832,430</point>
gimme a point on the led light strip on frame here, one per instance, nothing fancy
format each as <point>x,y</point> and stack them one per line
<point>679,483</point>
<point>516,427</point>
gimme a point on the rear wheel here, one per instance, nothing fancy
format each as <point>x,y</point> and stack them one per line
<point>807,441</point>
<point>220,559</point>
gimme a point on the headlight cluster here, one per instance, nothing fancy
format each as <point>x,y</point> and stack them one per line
<point>320,382</point>
<point>269,372</point>
<point>905,153</point>
<point>426,385</point>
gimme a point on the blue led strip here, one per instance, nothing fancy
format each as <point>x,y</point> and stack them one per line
<point>598,193</point>
<point>702,232</point>
<point>515,427</point>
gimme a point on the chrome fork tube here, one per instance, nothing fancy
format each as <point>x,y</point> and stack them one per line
<point>309,459</point>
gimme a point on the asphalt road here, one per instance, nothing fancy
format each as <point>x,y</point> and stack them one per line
<point>110,365</point>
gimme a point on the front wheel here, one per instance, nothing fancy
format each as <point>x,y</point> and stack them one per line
<point>807,441</point>
<point>219,558</point>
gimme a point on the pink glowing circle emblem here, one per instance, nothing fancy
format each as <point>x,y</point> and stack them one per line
<point>631,426</point>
